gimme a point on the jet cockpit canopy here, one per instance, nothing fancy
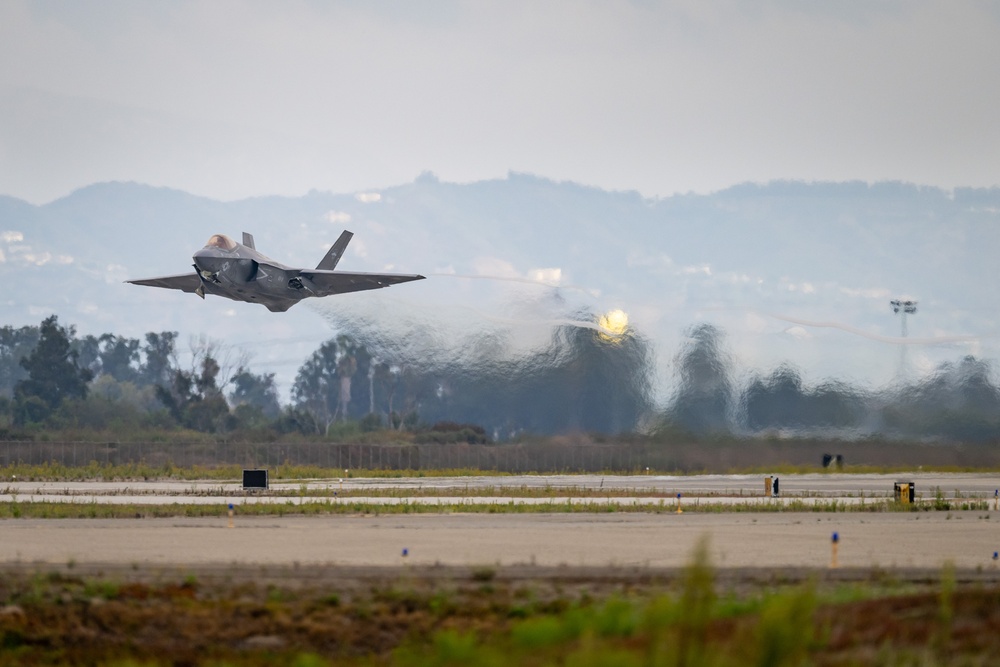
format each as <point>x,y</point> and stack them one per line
<point>222,242</point>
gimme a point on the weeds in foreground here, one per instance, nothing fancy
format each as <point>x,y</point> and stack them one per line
<point>94,510</point>
<point>482,618</point>
<point>787,627</point>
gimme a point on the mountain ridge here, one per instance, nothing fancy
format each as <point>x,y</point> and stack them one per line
<point>826,251</point>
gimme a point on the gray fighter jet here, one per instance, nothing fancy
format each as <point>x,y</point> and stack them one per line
<point>237,271</point>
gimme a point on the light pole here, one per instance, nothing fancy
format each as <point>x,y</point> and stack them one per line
<point>903,307</point>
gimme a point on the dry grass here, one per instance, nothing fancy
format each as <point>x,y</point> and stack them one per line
<point>487,615</point>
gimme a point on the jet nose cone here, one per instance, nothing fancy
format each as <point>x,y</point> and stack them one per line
<point>208,260</point>
<point>210,253</point>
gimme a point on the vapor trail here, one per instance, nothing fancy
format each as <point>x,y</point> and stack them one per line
<point>509,279</point>
<point>896,340</point>
<point>438,308</point>
<point>582,324</point>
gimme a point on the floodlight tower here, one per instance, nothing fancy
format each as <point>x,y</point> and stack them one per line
<point>903,307</point>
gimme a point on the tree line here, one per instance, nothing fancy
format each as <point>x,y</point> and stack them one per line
<point>581,381</point>
<point>51,378</point>
<point>958,402</point>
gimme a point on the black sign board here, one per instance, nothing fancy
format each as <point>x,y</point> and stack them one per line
<point>255,479</point>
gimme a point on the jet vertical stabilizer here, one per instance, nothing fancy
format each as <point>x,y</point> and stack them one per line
<point>336,251</point>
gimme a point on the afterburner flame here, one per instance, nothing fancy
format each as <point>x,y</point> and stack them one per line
<point>613,324</point>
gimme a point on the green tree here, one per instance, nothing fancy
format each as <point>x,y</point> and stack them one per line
<point>110,355</point>
<point>781,401</point>
<point>958,402</point>
<point>119,357</point>
<point>703,401</point>
<point>159,355</point>
<point>88,349</point>
<point>316,388</point>
<point>347,366</point>
<point>54,374</point>
<point>324,384</point>
<point>255,391</point>
<point>15,345</point>
<point>606,379</point>
<point>194,399</point>
<point>585,380</point>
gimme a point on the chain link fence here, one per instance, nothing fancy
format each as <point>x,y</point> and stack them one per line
<point>534,457</point>
<point>517,458</point>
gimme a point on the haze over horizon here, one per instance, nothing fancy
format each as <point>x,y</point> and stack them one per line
<point>791,273</point>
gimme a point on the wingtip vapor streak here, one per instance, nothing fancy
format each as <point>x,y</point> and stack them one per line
<point>237,271</point>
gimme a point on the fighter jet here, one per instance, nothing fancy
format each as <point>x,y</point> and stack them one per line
<point>237,271</point>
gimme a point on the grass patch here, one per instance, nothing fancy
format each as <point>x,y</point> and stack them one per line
<point>418,617</point>
<point>92,510</point>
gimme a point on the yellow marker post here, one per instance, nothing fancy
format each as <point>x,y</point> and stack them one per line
<point>679,510</point>
<point>230,515</point>
<point>833,556</point>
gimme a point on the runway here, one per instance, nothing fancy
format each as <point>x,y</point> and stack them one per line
<point>654,537</point>
<point>967,539</point>
<point>847,488</point>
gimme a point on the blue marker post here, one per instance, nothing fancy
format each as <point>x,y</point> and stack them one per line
<point>679,511</point>
<point>996,500</point>
<point>230,515</point>
<point>835,540</point>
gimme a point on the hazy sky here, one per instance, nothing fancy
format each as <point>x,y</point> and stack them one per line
<point>233,99</point>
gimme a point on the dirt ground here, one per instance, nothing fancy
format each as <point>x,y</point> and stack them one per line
<point>315,615</point>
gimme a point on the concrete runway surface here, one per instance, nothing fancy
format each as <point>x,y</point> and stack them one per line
<point>919,539</point>
<point>709,488</point>
<point>665,539</point>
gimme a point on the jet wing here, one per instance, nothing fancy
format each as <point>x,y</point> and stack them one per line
<point>341,282</point>
<point>188,282</point>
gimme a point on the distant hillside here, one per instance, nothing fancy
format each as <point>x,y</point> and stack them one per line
<point>810,251</point>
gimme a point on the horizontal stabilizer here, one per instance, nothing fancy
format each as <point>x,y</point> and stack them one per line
<point>336,251</point>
